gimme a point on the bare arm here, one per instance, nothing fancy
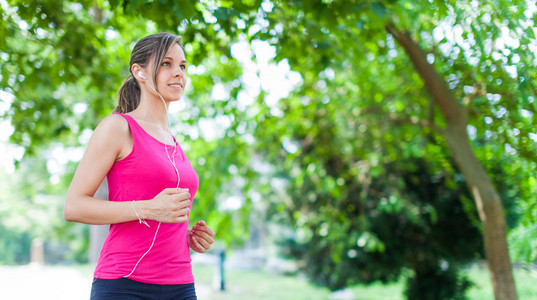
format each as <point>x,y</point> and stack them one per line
<point>112,141</point>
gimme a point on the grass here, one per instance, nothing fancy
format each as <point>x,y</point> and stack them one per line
<point>525,280</point>
<point>241,284</point>
<point>251,284</point>
<point>260,285</point>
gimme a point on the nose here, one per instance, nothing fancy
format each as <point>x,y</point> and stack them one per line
<point>179,72</point>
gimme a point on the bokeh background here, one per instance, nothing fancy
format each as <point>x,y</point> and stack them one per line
<point>372,149</point>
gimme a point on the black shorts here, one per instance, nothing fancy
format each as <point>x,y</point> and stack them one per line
<point>127,289</point>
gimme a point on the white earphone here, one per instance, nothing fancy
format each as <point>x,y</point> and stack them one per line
<point>172,161</point>
<point>168,121</point>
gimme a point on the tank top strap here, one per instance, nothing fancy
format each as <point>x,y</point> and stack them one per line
<point>135,128</point>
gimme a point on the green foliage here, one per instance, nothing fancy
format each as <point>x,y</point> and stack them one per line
<point>347,150</point>
<point>371,112</point>
<point>436,283</point>
<point>15,246</point>
<point>64,61</point>
<point>480,49</point>
<point>399,219</point>
<point>28,213</point>
<point>523,242</point>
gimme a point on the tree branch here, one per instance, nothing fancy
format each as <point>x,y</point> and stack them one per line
<point>454,112</point>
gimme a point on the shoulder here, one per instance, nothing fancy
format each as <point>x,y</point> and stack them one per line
<point>112,134</point>
<point>112,128</point>
<point>113,125</point>
<point>113,120</point>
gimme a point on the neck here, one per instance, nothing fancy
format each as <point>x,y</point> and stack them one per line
<point>152,109</point>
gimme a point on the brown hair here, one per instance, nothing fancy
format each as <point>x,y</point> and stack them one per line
<point>152,47</point>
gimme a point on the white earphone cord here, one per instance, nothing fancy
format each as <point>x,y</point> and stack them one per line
<point>172,162</point>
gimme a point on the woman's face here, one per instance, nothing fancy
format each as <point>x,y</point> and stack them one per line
<point>171,77</point>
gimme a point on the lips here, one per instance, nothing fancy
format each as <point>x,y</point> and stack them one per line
<point>176,85</point>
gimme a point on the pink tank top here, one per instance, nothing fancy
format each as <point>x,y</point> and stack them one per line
<point>144,173</point>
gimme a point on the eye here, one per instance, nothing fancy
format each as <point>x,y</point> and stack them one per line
<point>183,67</point>
<point>166,63</point>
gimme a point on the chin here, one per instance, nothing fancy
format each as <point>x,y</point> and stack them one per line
<point>174,98</point>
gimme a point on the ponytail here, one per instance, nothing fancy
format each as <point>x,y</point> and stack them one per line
<point>128,96</point>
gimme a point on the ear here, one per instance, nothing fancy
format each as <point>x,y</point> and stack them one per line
<point>135,69</point>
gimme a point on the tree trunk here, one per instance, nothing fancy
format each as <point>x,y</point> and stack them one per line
<point>485,195</point>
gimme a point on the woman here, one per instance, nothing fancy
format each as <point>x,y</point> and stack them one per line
<point>151,184</point>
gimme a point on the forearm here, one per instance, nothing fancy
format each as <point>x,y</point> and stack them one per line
<point>90,210</point>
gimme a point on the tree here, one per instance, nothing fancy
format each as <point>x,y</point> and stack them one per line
<point>64,61</point>
<point>346,42</point>
<point>367,205</point>
<point>469,65</point>
<point>487,199</point>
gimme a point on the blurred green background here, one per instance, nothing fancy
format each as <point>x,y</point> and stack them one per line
<point>323,150</point>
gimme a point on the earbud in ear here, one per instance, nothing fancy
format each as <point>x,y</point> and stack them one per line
<point>141,75</point>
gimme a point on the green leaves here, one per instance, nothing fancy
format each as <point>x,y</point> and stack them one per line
<point>355,148</point>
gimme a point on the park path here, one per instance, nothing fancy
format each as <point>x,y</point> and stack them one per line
<point>43,282</point>
<point>36,282</point>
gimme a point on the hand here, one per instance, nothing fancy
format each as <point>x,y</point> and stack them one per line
<point>200,237</point>
<point>169,206</point>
